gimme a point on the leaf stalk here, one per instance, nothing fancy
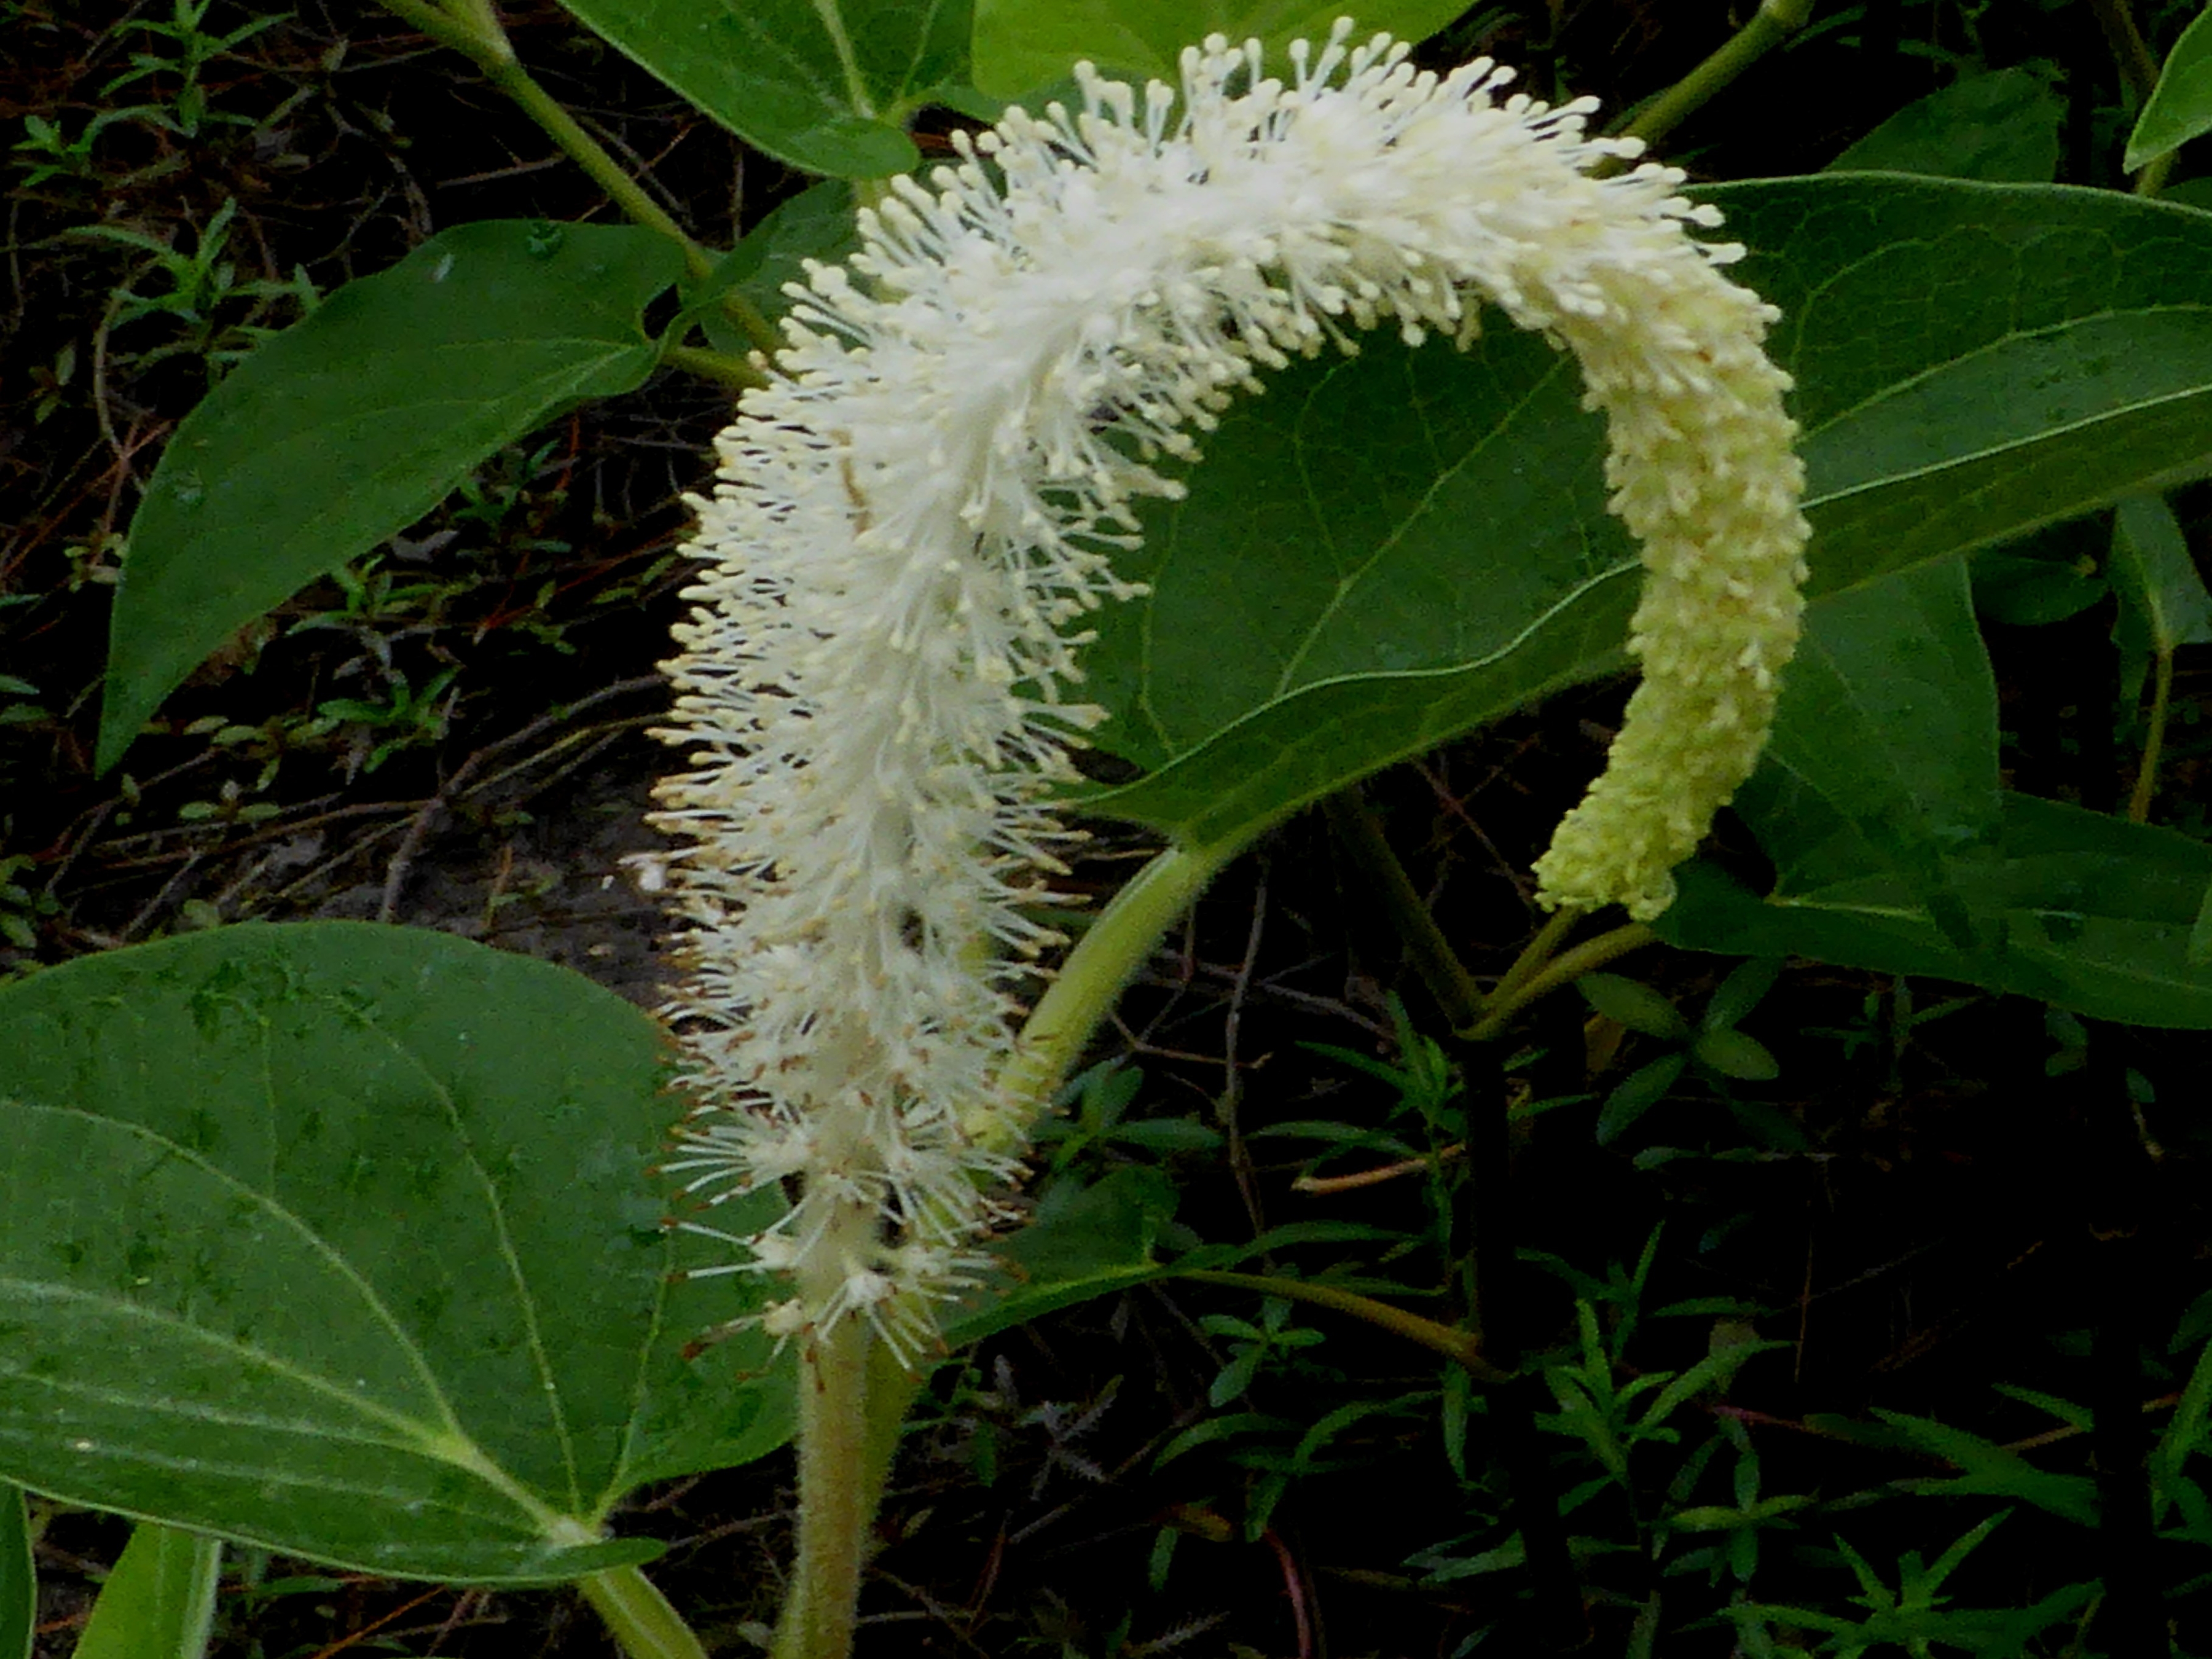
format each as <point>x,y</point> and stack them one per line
<point>1461,1347</point>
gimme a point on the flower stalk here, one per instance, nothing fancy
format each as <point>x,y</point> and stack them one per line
<point>880,681</point>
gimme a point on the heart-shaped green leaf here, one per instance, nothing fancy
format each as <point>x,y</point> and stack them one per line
<point>341,1239</point>
<point>824,85</point>
<point>1386,552</point>
<point>356,421</point>
<point>1024,45</point>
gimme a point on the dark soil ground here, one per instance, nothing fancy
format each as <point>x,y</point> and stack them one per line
<point>1955,1203</point>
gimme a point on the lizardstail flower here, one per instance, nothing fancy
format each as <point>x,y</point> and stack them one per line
<point>880,680</point>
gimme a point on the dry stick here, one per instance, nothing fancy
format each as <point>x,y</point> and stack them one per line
<point>1232,1091</point>
<point>418,827</point>
<point>1352,822</point>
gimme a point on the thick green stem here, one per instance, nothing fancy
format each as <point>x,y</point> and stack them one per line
<point>1105,959</point>
<point>1353,822</point>
<point>852,1391</point>
<point>835,1496</point>
<point>2161,697</point>
<point>643,1624</point>
<point>472,32</point>
<point>1775,21</point>
<point>1456,1345</point>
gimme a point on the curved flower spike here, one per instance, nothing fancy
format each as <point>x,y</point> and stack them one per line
<point>877,684</point>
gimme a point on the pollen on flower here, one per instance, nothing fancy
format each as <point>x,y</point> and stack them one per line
<point>880,677</point>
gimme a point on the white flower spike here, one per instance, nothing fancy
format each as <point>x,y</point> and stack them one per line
<point>875,687</point>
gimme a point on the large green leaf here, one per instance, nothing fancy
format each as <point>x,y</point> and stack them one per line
<point>351,425</point>
<point>824,85</point>
<point>340,1239</point>
<point>1024,45</point>
<point>2180,106</point>
<point>1887,737</point>
<point>2002,127</point>
<point>159,1603</point>
<point>1408,544</point>
<point>2068,906</point>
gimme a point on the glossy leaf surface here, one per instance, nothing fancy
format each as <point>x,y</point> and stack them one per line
<point>340,1239</point>
<point>821,85</point>
<point>1407,544</point>
<point>354,422</point>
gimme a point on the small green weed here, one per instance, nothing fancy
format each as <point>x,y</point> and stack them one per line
<point>1712,1050</point>
<point>182,49</point>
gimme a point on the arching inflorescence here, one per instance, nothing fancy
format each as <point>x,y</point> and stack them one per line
<point>879,681</point>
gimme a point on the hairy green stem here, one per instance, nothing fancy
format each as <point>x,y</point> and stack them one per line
<point>1104,960</point>
<point>1775,21</point>
<point>1569,966</point>
<point>2138,66</point>
<point>1353,822</point>
<point>2161,697</point>
<point>1456,1345</point>
<point>836,1498</point>
<point>642,1622</point>
<point>473,32</point>
<point>854,1393</point>
<point>2152,179</point>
